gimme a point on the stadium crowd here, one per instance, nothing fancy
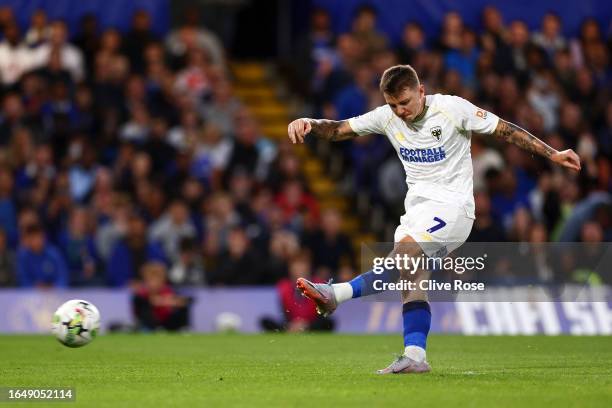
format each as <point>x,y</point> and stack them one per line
<point>558,88</point>
<point>118,150</point>
<point>123,149</point>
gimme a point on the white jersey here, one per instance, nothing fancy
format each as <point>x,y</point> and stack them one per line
<point>435,151</point>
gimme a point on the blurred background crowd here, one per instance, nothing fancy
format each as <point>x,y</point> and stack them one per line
<point>126,151</point>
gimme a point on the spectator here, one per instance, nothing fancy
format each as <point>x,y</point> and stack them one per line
<point>192,35</point>
<point>543,95</point>
<point>57,115</point>
<point>39,263</point>
<point>40,167</point>
<point>300,313</point>
<point>451,32</point>
<point>540,254</point>
<point>330,247</point>
<point>137,38</point>
<point>413,41</point>
<point>295,203</point>
<point>544,201</point>
<point>585,96</point>
<point>219,217</point>
<point>518,42</point>
<point>464,58</point>
<point>483,159</point>
<point>187,269</point>
<point>8,210</point>
<point>550,37</point>
<point>486,228</point>
<point>588,268</point>
<point>156,305</point>
<point>314,51</point>
<point>238,264</point>
<point>13,119</point>
<point>15,57</point>
<point>158,147</point>
<point>151,198</point>
<point>494,31</point>
<point>222,109</point>
<point>604,135</point>
<point>570,122</point>
<point>366,154</point>
<point>174,226</point>
<point>137,129</point>
<point>84,117</point>
<point>39,31</point>
<point>286,167</point>
<point>507,198</point>
<point>333,75</point>
<point>110,44</point>
<point>70,56</point>
<point>251,152</point>
<point>284,245</point>
<point>364,30</point>
<point>131,253</point>
<point>7,262</point>
<point>241,187</point>
<point>78,247</point>
<point>88,40</point>
<point>354,99</point>
<point>521,224</point>
<point>112,211</point>
<point>212,154</point>
<point>184,135</point>
<point>195,80</point>
<point>27,216</point>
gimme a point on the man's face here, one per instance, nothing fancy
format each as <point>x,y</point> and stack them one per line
<point>37,242</point>
<point>408,103</point>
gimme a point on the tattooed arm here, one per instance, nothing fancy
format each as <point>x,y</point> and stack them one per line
<point>331,130</point>
<point>512,133</point>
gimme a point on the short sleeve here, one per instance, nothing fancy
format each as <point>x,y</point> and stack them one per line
<point>374,121</point>
<point>474,118</point>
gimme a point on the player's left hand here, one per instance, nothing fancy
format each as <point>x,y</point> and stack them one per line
<point>567,158</point>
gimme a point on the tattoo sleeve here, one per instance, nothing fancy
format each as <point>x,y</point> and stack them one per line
<point>512,133</point>
<point>332,130</point>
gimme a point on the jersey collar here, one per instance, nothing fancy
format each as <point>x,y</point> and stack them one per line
<point>422,114</point>
<point>414,123</point>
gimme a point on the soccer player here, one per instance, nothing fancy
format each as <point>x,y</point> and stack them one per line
<point>431,134</point>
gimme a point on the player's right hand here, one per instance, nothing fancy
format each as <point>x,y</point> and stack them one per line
<point>298,129</point>
<point>567,158</point>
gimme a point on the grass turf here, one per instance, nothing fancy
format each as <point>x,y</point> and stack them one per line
<point>312,370</point>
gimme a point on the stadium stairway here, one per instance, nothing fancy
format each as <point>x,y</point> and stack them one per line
<point>258,86</point>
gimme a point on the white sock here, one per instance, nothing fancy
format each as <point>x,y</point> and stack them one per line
<point>342,291</point>
<point>415,353</point>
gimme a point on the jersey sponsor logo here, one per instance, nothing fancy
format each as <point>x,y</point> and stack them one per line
<point>481,114</point>
<point>436,132</point>
<point>423,155</point>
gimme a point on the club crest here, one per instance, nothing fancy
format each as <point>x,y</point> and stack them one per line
<point>436,132</point>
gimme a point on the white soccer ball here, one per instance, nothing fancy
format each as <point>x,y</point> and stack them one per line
<point>228,322</point>
<point>76,323</point>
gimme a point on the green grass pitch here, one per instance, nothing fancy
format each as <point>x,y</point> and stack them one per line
<point>161,370</point>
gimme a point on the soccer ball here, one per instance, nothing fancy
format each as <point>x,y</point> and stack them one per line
<point>228,322</point>
<point>76,323</point>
